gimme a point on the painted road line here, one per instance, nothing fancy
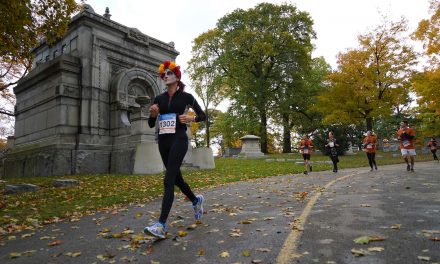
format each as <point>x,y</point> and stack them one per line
<point>289,250</point>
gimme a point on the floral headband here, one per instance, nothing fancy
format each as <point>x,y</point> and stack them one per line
<point>171,65</point>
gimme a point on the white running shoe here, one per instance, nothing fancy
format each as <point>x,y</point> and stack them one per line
<point>198,208</point>
<point>157,230</point>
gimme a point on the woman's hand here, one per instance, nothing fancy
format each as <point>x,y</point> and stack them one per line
<point>154,110</point>
<point>184,119</point>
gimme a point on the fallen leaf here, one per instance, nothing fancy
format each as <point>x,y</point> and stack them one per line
<point>27,235</point>
<point>257,261</point>
<point>263,249</point>
<point>365,205</point>
<point>191,227</point>
<point>139,215</point>
<point>55,243</point>
<point>424,258</point>
<point>246,253</point>
<point>245,222</point>
<point>127,231</point>
<point>224,254</point>
<point>368,239</point>
<point>376,249</point>
<point>150,250</point>
<point>359,252</point>
<point>182,233</point>
<point>73,254</point>
<point>201,252</point>
<point>434,238</point>
<point>14,255</point>
<point>396,226</point>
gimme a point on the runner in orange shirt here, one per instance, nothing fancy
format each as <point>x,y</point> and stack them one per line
<point>369,145</point>
<point>306,146</point>
<point>406,137</point>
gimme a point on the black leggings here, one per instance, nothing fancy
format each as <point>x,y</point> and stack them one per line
<point>372,159</point>
<point>434,154</point>
<point>335,161</point>
<point>172,148</point>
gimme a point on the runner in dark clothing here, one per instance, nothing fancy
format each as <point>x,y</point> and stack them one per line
<point>333,152</point>
<point>432,145</point>
<point>171,109</point>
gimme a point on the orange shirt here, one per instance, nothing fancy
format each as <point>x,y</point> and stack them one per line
<point>306,146</point>
<point>370,144</point>
<point>405,142</point>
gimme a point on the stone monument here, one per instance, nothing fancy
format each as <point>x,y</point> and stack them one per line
<point>76,110</point>
<point>250,147</point>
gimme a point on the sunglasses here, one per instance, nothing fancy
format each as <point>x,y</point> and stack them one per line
<point>169,73</point>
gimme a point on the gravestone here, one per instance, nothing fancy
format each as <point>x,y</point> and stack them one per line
<point>17,188</point>
<point>76,110</point>
<point>250,147</point>
<point>65,182</point>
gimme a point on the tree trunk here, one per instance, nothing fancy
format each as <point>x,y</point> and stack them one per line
<point>369,122</point>
<point>207,127</point>
<point>286,134</point>
<point>263,131</point>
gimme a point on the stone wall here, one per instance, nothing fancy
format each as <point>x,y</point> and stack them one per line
<point>76,111</point>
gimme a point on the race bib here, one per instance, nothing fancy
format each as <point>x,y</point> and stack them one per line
<point>306,151</point>
<point>167,124</point>
<point>433,147</point>
<point>406,143</point>
<point>331,144</point>
<point>369,146</point>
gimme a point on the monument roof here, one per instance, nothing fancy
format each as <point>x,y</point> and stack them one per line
<point>250,137</point>
<point>89,13</point>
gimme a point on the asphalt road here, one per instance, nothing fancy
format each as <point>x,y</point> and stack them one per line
<point>287,219</point>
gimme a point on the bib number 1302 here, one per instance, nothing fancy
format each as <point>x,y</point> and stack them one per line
<point>167,124</point>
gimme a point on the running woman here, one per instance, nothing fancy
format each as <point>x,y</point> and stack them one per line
<point>333,151</point>
<point>432,145</point>
<point>306,146</point>
<point>406,137</point>
<point>369,146</point>
<point>171,109</point>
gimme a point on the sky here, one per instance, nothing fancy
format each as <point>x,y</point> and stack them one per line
<point>336,22</point>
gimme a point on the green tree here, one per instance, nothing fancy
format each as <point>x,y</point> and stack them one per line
<point>296,100</point>
<point>22,25</point>
<point>371,81</point>
<point>206,76</point>
<point>254,48</point>
<point>427,83</point>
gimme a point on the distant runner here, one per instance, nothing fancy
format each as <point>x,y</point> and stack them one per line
<point>369,146</point>
<point>406,137</point>
<point>306,146</point>
<point>333,151</point>
<point>432,145</point>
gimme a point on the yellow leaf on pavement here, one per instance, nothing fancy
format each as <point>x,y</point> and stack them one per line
<point>182,233</point>
<point>14,254</point>
<point>376,249</point>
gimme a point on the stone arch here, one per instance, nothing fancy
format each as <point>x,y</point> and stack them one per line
<point>127,84</point>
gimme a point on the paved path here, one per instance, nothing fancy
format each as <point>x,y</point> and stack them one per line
<point>288,219</point>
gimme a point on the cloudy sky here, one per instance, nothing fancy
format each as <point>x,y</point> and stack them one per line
<point>336,22</point>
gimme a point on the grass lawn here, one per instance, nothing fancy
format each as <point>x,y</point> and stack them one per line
<point>111,191</point>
